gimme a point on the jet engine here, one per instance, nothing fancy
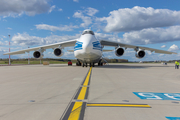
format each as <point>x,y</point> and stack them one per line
<point>140,54</point>
<point>119,51</point>
<point>58,52</point>
<point>38,54</point>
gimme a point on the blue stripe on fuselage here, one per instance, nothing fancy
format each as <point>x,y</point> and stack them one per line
<point>78,46</point>
<point>97,45</point>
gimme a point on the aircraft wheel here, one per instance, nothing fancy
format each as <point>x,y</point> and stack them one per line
<point>90,64</point>
<point>77,64</point>
<point>83,65</point>
<point>86,64</point>
<point>99,63</point>
<point>93,64</point>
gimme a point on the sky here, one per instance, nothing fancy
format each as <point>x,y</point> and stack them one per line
<point>32,23</point>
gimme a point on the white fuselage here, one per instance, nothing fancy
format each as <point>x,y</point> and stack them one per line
<point>88,49</point>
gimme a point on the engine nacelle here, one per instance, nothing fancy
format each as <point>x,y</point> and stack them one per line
<point>58,52</point>
<point>119,51</point>
<point>140,54</point>
<point>38,54</point>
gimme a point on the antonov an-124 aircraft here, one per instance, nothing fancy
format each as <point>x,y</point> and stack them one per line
<point>88,49</point>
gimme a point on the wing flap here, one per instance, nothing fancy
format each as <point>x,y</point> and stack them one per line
<point>70,50</point>
<point>107,50</point>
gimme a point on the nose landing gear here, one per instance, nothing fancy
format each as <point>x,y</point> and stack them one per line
<point>84,64</point>
<point>91,64</point>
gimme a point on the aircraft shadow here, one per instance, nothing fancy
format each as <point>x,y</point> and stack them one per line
<point>58,65</point>
<point>116,66</point>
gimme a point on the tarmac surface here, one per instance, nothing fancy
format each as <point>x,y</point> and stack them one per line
<point>110,92</point>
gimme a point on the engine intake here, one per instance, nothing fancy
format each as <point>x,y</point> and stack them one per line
<point>58,52</point>
<point>38,54</point>
<point>140,54</point>
<point>119,52</point>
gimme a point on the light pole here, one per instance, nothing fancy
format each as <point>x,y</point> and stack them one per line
<point>28,57</point>
<point>9,50</point>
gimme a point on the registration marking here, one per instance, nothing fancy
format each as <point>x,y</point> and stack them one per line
<point>173,118</point>
<point>158,96</point>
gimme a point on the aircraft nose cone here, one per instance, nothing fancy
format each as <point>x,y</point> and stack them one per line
<point>87,48</point>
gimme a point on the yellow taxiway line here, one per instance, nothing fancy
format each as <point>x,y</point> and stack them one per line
<point>86,82</point>
<point>82,93</point>
<point>75,113</point>
<point>77,108</point>
<point>116,105</point>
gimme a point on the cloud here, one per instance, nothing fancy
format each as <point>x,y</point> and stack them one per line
<point>55,28</point>
<point>86,19</point>
<point>69,55</point>
<point>3,37</point>
<point>1,54</point>
<point>50,53</point>
<point>152,36</point>
<point>1,43</point>
<point>60,9</point>
<point>163,46</point>
<point>9,28</point>
<point>16,8</point>
<point>138,18</point>
<point>76,0</point>
<point>91,11</point>
<point>145,36</point>
<point>51,8</point>
<point>25,39</point>
<point>173,48</point>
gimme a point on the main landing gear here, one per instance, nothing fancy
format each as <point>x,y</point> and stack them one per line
<point>100,63</point>
<point>78,63</point>
<point>84,64</point>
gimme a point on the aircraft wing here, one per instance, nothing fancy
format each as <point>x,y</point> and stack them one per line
<point>107,50</point>
<point>62,44</point>
<point>116,44</point>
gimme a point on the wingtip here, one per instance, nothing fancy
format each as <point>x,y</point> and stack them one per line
<point>5,54</point>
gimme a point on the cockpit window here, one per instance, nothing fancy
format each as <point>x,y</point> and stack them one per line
<point>88,32</point>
